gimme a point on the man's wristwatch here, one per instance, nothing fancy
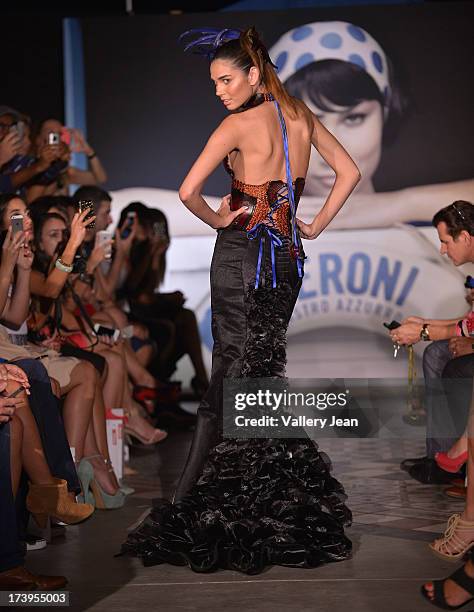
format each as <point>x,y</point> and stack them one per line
<point>424,333</point>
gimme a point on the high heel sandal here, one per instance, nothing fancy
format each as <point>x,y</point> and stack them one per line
<point>156,435</point>
<point>443,547</point>
<point>439,600</point>
<point>451,464</point>
<point>52,500</point>
<point>124,488</point>
<point>101,499</point>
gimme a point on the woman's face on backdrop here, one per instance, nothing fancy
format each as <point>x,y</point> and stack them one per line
<point>16,206</point>
<point>359,129</point>
<point>52,234</point>
<point>233,86</point>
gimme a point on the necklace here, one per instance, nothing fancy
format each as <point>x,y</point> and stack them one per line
<point>255,100</point>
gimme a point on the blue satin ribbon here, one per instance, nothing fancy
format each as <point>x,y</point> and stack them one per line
<point>291,192</point>
<point>260,230</point>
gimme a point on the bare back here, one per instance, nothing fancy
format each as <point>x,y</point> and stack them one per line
<point>259,156</point>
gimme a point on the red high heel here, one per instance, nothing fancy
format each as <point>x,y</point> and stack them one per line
<point>451,464</point>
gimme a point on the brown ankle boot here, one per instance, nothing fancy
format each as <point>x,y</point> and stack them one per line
<point>53,500</point>
<point>19,578</point>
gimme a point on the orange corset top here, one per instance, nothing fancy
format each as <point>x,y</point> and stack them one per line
<point>267,203</point>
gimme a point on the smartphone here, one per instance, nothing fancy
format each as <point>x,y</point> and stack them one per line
<point>17,224</point>
<point>392,325</point>
<point>104,236</point>
<point>54,138</point>
<point>102,330</point>
<point>18,129</point>
<point>128,224</point>
<point>82,205</point>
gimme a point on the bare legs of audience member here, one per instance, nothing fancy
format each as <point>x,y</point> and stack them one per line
<point>51,492</point>
<point>457,381</point>
<point>117,395</point>
<point>454,594</point>
<point>84,421</point>
<point>13,574</point>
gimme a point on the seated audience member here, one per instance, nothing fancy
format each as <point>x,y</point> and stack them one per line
<point>48,495</point>
<point>448,362</point>
<point>76,329</point>
<point>455,225</point>
<point>17,166</point>
<point>60,174</point>
<point>102,304</point>
<point>13,574</point>
<point>79,382</point>
<point>161,312</point>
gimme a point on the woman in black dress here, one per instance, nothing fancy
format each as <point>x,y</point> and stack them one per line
<point>246,504</point>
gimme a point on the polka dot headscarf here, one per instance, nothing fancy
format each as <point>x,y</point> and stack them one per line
<point>324,40</point>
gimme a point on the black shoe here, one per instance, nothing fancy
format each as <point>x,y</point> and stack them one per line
<point>406,464</point>
<point>428,472</point>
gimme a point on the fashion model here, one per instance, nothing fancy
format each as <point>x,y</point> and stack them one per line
<point>244,504</point>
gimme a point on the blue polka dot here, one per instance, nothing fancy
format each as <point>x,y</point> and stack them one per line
<point>355,58</point>
<point>377,61</point>
<point>303,60</point>
<point>356,33</point>
<point>281,60</point>
<point>302,33</point>
<point>331,41</point>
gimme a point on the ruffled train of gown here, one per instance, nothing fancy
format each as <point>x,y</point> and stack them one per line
<point>256,502</point>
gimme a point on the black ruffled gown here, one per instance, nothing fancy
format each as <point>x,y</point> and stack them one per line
<point>247,504</point>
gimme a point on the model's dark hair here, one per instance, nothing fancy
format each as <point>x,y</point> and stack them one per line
<point>332,82</point>
<point>458,216</point>
<point>248,51</point>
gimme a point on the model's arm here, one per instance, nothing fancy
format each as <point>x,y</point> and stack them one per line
<point>347,177</point>
<point>223,141</point>
<point>383,209</point>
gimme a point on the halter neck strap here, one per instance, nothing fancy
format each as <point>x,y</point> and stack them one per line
<point>295,237</point>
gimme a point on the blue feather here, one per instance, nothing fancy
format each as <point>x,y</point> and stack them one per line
<point>208,40</point>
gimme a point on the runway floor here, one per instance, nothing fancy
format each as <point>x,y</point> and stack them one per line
<point>394,519</point>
